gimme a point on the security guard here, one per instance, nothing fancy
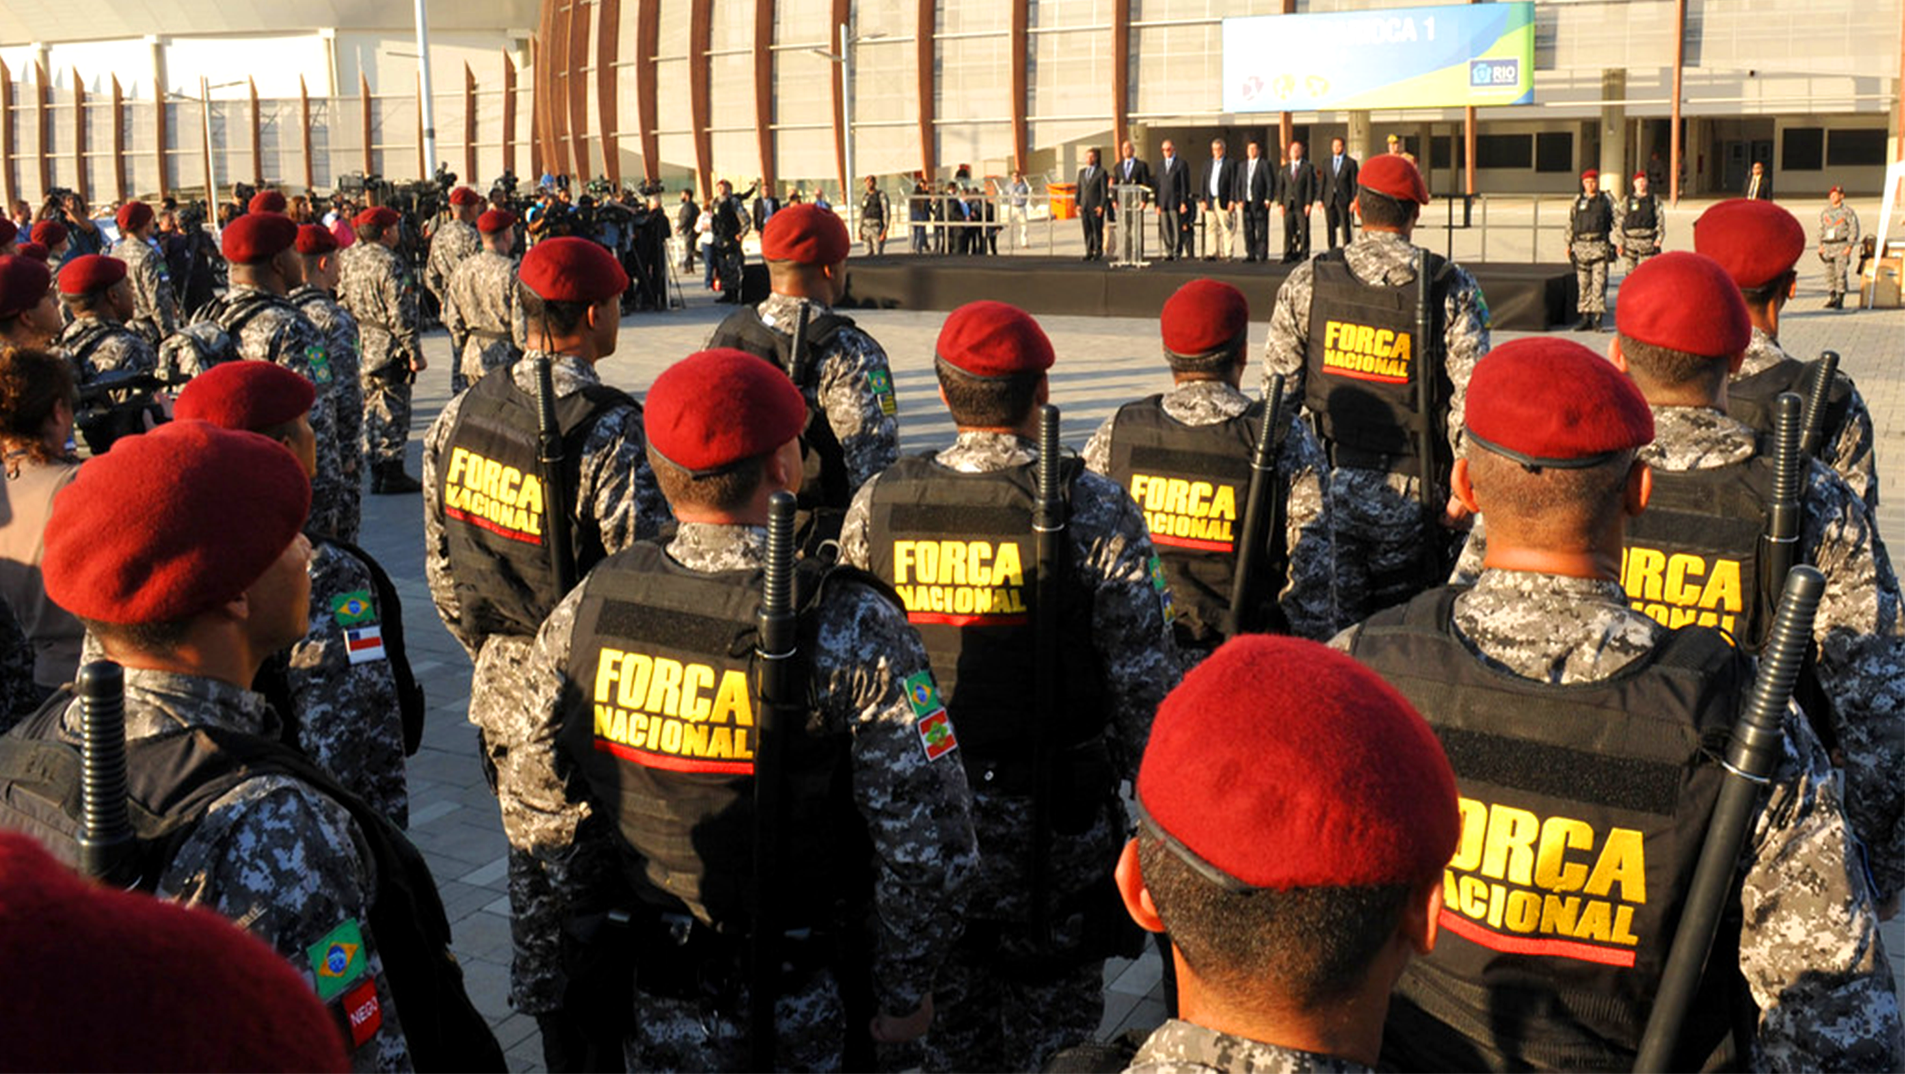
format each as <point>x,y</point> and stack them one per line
<point>484,302</point>
<point>952,531</point>
<point>1590,248</point>
<point>1643,223</point>
<point>875,213</point>
<point>1343,336</point>
<point>1292,897</point>
<point>345,689</point>
<point>316,298</point>
<point>1838,239</point>
<point>456,241</point>
<point>376,286</point>
<point>155,309</point>
<point>729,225</point>
<point>1184,457</point>
<point>876,760</point>
<point>843,373</point>
<point>99,297</point>
<point>1579,729</point>
<point>485,556</point>
<point>1759,244</point>
<point>29,308</point>
<point>181,550</point>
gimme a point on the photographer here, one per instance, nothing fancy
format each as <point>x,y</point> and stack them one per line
<point>82,235</point>
<point>649,253</point>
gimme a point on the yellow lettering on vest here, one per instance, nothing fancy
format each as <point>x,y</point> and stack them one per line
<point>1468,852</point>
<point>902,561</point>
<point>1622,862</point>
<point>1552,869</point>
<point>1224,503</point>
<point>1723,588</point>
<point>1384,344</point>
<point>1474,897</point>
<point>694,679</point>
<point>1640,572</point>
<point>1558,914</point>
<point>1365,339</point>
<point>632,680</point>
<point>459,461</point>
<point>1512,869</point>
<point>694,739</point>
<point>1596,921</point>
<point>1524,911</point>
<point>1509,853</point>
<point>664,691</point>
<point>1624,926</point>
<point>733,702</point>
<point>1679,567</point>
<point>498,498</point>
<point>1332,331</point>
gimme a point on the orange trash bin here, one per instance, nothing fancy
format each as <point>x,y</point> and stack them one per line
<point>1064,200</point>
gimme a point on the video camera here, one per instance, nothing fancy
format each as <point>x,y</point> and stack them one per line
<point>118,403</point>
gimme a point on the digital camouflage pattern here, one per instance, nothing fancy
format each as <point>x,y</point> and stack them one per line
<point>1179,1047</point>
<point>1308,598</point>
<point>1590,255</point>
<point>155,309</point>
<point>1376,520</point>
<point>917,813</point>
<point>1848,449</point>
<point>347,713</point>
<point>380,293</point>
<point>339,331</point>
<point>101,345</point>
<point>273,855</point>
<point>1809,943</point>
<point>1639,242</point>
<point>280,334</point>
<point>483,308</point>
<point>1110,556</point>
<point>845,387</point>
<point>1837,251</point>
<point>453,243</point>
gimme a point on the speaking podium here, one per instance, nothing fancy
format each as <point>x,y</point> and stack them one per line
<point>1129,199</point>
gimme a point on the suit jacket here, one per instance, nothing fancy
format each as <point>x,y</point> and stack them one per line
<point>1095,192</point>
<point>1259,188</point>
<point>1297,191</point>
<point>1765,186</point>
<point>765,206</point>
<point>1339,188</point>
<point>1140,172</point>
<point>1173,184</point>
<point>1229,185</point>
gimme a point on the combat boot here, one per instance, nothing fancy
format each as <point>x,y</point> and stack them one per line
<point>1582,325</point>
<point>388,479</point>
<point>1835,302</point>
<point>1594,322</point>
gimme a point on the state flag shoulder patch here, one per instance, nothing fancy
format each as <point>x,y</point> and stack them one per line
<point>935,726</point>
<point>364,644</point>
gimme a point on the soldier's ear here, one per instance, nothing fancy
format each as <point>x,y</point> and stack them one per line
<point>1640,489</point>
<point>1137,898</point>
<point>1462,486</point>
<point>1421,916</point>
<point>1614,354</point>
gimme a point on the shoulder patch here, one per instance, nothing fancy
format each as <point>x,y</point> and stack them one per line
<point>364,644</point>
<point>363,1013</point>
<point>936,736</point>
<point>338,959</point>
<point>320,363</point>
<point>881,381</point>
<point>353,608</point>
<point>1161,583</point>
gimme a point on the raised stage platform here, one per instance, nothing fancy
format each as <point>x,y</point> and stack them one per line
<point>1520,297</point>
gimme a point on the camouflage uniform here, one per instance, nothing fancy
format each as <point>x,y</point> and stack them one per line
<point>483,308</point>
<point>1809,946</point>
<point>1847,449</point>
<point>339,331</point>
<point>1179,1047</point>
<point>454,243</point>
<point>988,1019</point>
<point>273,855</point>
<point>853,386</point>
<point>1376,519</point>
<point>1590,253</point>
<point>1842,224</point>
<point>348,716</point>
<point>618,492</point>
<point>1308,597</point>
<point>377,289</point>
<point>155,312</point>
<point>281,335</point>
<point>119,348</point>
<point>917,812</point>
<point>1639,242</point>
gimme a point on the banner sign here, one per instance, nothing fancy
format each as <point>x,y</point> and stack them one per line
<point>1407,57</point>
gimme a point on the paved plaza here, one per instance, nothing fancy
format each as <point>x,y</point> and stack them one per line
<point>1101,364</point>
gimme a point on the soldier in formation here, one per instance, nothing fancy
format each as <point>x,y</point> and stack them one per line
<point>876,214</point>
<point>1838,240</point>
<point>316,298</point>
<point>377,288</point>
<point>456,241</point>
<point>29,307</point>
<point>1643,223</point>
<point>98,296</point>
<point>155,309</point>
<point>483,302</point>
<point>1590,248</point>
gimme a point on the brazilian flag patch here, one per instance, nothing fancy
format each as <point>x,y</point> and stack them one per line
<point>881,381</point>
<point>320,363</point>
<point>353,609</point>
<point>935,726</point>
<point>338,959</point>
<point>1162,585</point>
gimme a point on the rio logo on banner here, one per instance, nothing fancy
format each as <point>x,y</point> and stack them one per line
<point>1464,55</point>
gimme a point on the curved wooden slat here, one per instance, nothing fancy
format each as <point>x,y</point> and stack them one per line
<point>608,44</point>
<point>700,105</point>
<point>764,90</point>
<point>925,43</point>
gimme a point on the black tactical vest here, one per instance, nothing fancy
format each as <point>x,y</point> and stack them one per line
<point>958,548</point>
<point>1591,217</point>
<point>824,481</point>
<point>1693,557</point>
<point>1583,811</point>
<point>1751,399</point>
<point>1361,364</point>
<point>664,735</point>
<point>1191,481</point>
<point>175,777</point>
<point>1643,214</point>
<point>490,490</point>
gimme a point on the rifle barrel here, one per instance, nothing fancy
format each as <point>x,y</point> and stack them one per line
<point>775,652</point>
<point>1259,517</point>
<point>1048,528</point>
<point>555,492</point>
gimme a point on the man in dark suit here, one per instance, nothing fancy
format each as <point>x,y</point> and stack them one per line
<point>1129,171</point>
<point>1339,193</point>
<point>1217,193</point>
<point>1094,194</point>
<point>1173,193</point>
<point>1259,180</point>
<point>765,206</point>
<point>1129,168</point>
<point>1296,194</point>
<point>1759,184</point>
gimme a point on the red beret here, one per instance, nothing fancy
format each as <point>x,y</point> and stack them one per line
<point>315,239</point>
<point>572,270</point>
<point>251,396</point>
<point>805,234</point>
<point>91,273</point>
<point>35,250</point>
<point>1336,782</point>
<point>255,238</point>
<point>1548,401</point>
<point>465,196</point>
<point>23,284</point>
<point>381,216</point>
<point>1396,176</point>
<point>992,339</point>
<point>1754,241</point>
<point>172,522</point>
<point>133,215</point>
<point>1640,175</point>
<point>495,220</point>
<point>267,201</point>
<point>715,408</point>
<point>1204,316</point>
<point>1591,173</point>
<point>1836,189</point>
<point>49,233</point>
<point>8,231</point>
<point>1684,302</point>
<point>106,993</point>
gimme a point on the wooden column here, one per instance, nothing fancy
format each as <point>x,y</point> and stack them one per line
<point>80,181</point>
<point>423,163</point>
<point>1679,68</point>
<point>304,136</point>
<point>9,177</point>
<point>1286,123</point>
<point>509,114</point>
<point>118,141</point>
<point>542,91</point>
<point>162,131</point>
<point>363,96</point>
<point>1120,74</point>
<point>43,111</point>
<point>257,138</point>
<point>608,108</point>
<point>555,121</point>
<point>1468,147</point>
<point>537,152</point>
<point>764,95</point>
<point>469,126</point>
<point>842,13</point>
<point>647,41</point>
<point>578,88</point>
<point>700,106</point>
<point>925,44</point>
<point>1021,89</point>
